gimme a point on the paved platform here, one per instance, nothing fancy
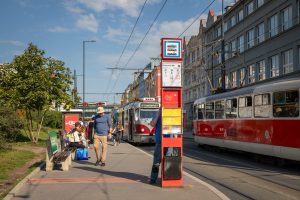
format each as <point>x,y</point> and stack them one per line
<point>125,176</point>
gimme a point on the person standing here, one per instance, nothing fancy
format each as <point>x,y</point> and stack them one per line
<point>102,131</point>
<point>118,131</point>
<point>156,122</point>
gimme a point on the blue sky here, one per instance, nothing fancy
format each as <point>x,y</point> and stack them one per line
<point>60,26</point>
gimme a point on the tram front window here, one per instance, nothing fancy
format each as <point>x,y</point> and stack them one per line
<point>148,115</point>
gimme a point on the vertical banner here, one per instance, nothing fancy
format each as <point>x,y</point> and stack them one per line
<point>171,105</point>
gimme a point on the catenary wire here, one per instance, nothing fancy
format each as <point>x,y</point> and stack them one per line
<point>157,15</point>
<point>128,41</point>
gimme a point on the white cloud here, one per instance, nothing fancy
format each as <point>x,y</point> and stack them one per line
<point>12,42</point>
<point>87,22</point>
<point>129,7</point>
<point>71,6</point>
<point>58,29</point>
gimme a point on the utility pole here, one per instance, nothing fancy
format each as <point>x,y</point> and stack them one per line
<point>83,74</point>
<point>223,67</point>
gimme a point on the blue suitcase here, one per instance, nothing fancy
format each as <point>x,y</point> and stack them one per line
<point>82,154</point>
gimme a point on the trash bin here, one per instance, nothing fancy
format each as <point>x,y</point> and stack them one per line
<point>172,163</point>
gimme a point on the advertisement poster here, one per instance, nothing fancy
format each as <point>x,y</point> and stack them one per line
<point>70,120</point>
<point>171,74</point>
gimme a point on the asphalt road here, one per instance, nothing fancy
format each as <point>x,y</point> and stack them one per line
<point>240,175</point>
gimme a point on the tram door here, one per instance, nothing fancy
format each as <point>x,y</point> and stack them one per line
<point>131,124</point>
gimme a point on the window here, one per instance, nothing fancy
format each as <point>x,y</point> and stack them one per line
<point>250,38</point>
<point>231,108</point>
<point>233,78</point>
<point>232,20</point>
<point>219,109</point>
<point>251,74</point>
<point>260,3</point>
<point>219,31</point>
<point>274,66</point>
<point>225,26</point>
<point>201,111</point>
<point>287,61</point>
<point>233,48</point>
<point>286,104</point>
<point>262,105</point>
<point>273,25</point>
<point>242,76</point>
<point>210,110</point>
<point>287,18</point>
<point>260,33</point>
<point>249,8</point>
<point>245,107</point>
<point>226,52</point>
<point>240,16</point>
<point>261,66</point>
<point>193,56</point>
<point>227,82</point>
<point>241,44</point>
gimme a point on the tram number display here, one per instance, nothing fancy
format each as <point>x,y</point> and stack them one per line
<point>149,105</point>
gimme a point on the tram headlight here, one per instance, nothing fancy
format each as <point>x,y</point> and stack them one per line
<point>142,130</point>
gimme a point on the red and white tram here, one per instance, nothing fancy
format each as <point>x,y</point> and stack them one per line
<point>136,118</point>
<point>262,119</point>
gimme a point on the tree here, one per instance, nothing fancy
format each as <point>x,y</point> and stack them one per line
<point>35,84</point>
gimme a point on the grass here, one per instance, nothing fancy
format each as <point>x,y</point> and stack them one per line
<point>11,160</point>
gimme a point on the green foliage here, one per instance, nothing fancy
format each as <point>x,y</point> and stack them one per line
<point>10,127</point>
<point>53,120</point>
<point>34,83</point>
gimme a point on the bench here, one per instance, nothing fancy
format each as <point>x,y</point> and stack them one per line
<point>57,153</point>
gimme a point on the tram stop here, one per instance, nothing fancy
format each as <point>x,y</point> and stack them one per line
<point>171,105</point>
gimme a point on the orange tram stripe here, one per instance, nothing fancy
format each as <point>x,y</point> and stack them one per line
<point>80,180</point>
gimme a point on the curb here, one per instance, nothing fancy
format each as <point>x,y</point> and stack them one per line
<point>12,192</point>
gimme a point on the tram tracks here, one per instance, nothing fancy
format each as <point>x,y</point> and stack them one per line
<point>267,184</point>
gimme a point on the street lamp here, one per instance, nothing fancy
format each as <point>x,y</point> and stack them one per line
<point>83,75</point>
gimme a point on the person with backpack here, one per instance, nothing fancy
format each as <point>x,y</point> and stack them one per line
<point>102,131</point>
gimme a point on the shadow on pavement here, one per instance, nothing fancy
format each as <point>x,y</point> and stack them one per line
<point>125,175</point>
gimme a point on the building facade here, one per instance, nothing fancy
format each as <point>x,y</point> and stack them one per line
<point>195,82</point>
<point>261,42</point>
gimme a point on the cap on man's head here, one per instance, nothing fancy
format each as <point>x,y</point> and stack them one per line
<point>100,110</point>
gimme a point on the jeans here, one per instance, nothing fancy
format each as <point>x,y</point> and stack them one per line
<point>156,162</point>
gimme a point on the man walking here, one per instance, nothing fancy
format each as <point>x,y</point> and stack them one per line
<point>102,132</point>
<point>156,122</point>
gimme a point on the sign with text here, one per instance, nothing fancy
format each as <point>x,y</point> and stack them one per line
<point>171,74</point>
<point>171,49</point>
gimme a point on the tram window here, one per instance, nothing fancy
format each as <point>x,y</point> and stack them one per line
<point>245,107</point>
<point>136,114</point>
<point>210,110</point>
<point>195,112</point>
<point>262,107</point>
<point>148,114</point>
<point>231,108</point>
<point>286,104</point>
<point>201,111</point>
<point>219,113</point>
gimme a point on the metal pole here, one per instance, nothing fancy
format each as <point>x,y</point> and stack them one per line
<point>223,67</point>
<point>83,74</point>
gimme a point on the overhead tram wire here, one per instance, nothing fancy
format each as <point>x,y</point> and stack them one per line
<point>196,18</point>
<point>157,15</point>
<point>128,40</point>
<point>193,21</point>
